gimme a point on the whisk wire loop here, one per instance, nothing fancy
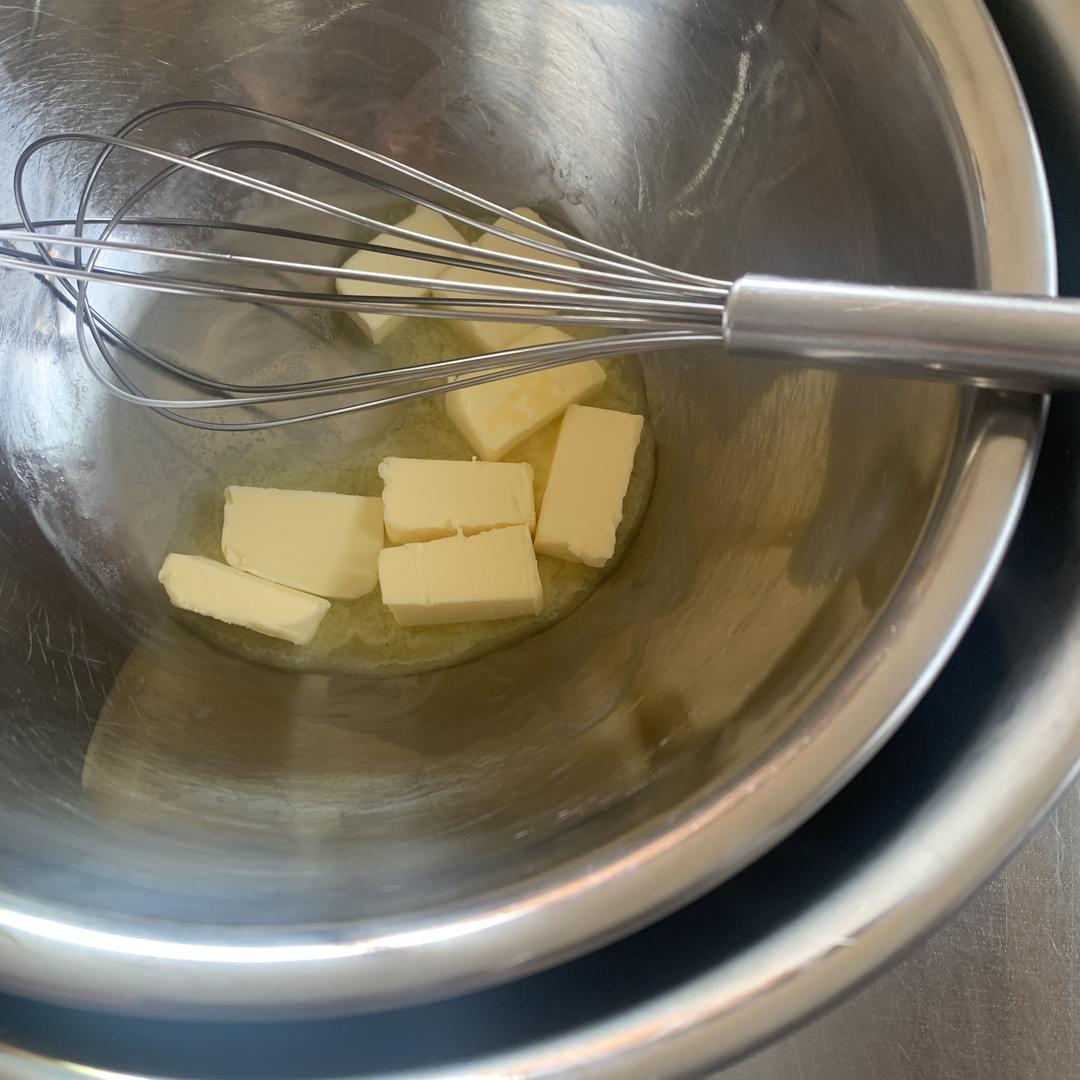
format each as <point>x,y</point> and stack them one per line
<point>651,307</point>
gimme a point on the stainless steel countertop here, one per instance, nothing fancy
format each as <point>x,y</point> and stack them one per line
<point>994,995</point>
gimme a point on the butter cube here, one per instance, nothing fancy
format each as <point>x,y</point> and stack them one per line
<point>492,575</point>
<point>494,417</point>
<point>495,336</point>
<point>318,541</point>
<point>424,500</point>
<point>212,588</point>
<point>590,472</point>
<point>421,220</point>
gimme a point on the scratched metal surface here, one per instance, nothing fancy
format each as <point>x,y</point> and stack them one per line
<point>994,995</point>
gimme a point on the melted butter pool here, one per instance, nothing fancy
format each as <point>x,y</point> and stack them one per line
<point>361,636</point>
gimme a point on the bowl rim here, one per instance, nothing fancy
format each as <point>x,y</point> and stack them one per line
<point>54,952</point>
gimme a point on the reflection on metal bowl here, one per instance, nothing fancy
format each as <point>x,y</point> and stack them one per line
<point>254,840</point>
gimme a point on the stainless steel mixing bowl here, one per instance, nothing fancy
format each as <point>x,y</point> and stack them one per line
<point>186,831</point>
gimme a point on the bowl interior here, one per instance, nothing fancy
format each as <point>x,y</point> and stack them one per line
<point>725,137</point>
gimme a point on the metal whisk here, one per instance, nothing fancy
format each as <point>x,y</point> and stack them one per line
<point>979,338</point>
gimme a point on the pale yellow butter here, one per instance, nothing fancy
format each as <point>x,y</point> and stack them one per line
<point>425,500</point>
<point>492,575</point>
<point>495,416</point>
<point>211,588</point>
<point>318,541</point>
<point>421,220</point>
<point>495,336</point>
<point>583,502</point>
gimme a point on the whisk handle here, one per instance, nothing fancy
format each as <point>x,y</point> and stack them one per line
<point>985,339</point>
